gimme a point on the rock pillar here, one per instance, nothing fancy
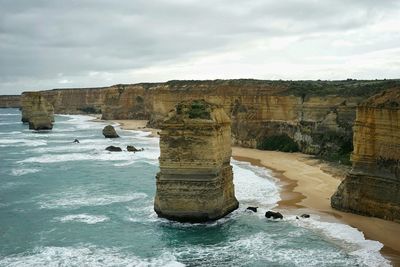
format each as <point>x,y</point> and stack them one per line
<point>373,185</point>
<point>195,179</point>
<point>38,112</point>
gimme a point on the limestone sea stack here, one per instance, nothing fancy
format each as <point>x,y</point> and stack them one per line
<point>373,185</point>
<point>37,111</point>
<point>109,132</point>
<point>195,182</point>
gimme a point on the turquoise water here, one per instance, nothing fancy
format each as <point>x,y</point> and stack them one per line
<point>65,204</point>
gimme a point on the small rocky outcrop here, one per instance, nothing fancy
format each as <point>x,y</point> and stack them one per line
<point>37,111</point>
<point>109,132</point>
<point>133,149</point>
<point>195,182</point>
<point>304,215</point>
<point>113,149</point>
<point>253,209</point>
<point>273,215</point>
<point>372,187</point>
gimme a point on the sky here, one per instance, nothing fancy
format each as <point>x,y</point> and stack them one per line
<point>47,44</point>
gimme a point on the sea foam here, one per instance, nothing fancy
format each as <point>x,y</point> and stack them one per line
<point>83,218</point>
<point>85,256</point>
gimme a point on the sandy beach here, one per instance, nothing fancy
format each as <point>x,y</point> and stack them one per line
<point>308,184</point>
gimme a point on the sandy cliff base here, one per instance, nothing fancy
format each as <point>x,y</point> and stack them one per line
<point>306,185</point>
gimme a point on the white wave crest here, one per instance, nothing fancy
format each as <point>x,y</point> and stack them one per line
<point>22,142</point>
<point>349,238</point>
<point>84,218</point>
<point>78,199</point>
<point>22,171</point>
<point>254,185</point>
<point>84,256</point>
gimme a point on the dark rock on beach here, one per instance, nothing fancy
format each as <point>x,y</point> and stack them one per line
<point>109,132</point>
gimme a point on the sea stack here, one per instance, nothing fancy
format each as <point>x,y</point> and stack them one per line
<point>372,187</point>
<point>195,182</point>
<point>37,111</point>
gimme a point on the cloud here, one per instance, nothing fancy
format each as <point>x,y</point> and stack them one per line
<point>98,42</point>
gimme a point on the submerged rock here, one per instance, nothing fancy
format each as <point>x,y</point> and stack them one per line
<point>273,215</point>
<point>114,149</point>
<point>109,132</point>
<point>195,179</point>
<point>305,215</point>
<point>253,209</point>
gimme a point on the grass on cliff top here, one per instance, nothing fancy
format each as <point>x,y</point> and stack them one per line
<point>197,109</point>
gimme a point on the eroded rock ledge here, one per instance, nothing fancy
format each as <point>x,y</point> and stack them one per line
<point>195,179</point>
<point>373,185</point>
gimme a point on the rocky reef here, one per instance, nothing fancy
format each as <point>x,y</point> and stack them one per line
<point>10,101</point>
<point>37,111</point>
<point>373,185</point>
<point>195,179</point>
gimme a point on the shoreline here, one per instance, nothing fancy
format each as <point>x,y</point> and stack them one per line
<point>307,184</point>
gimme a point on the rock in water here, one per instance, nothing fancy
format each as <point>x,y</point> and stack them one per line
<point>114,149</point>
<point>372,186</point>
<point>133,149</point>
<point>37,111</point>
<point>195,179</point>
<point>253,209</point>
<point>274,215</point>
<point>109,132</point>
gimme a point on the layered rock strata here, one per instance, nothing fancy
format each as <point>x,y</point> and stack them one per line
<point>38,112</point>
<point>195,179</point>
<point>10,101</point>
<point>317,115</point>
<point>373,185</point>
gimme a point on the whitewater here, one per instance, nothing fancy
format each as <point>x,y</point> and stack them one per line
<point>67,204</point>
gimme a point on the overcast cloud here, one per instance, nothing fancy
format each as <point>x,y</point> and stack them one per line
<point>48,44</point>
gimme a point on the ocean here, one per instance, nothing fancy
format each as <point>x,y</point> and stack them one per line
<point>67,204</point>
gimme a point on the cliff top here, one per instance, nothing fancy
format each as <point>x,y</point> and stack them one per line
<point>389,99</point>
<point>197,110</point>
<point>349,87</point>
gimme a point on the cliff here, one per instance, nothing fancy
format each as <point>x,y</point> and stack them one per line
<point>10,101</point>
<point>195,182</point>
<point>37,111</point>
<point>317,115</point>
<point>373,185</point>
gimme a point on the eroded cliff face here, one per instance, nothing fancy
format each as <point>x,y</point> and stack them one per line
<point>195,182</point>
<point>38,112</point>
<point>373,185</point>
<point>317,115</point>
<point>76,101</point>
<point>10,101</point>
